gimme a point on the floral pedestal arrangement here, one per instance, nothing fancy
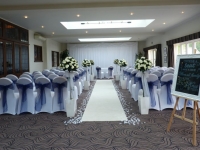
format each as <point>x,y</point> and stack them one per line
<point>117,76</point>
<point>143,65</point>
<point>86,63</point>
<point>91,77</point>
<point>91,71</point>
<point>122,64</point>
<point>143,103</point>
<point>69,64</point>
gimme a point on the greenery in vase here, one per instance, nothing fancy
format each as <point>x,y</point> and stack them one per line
<point>143,64</point>
<point>86,63</point>
<point>116,61</point>
<point>122,63</point>
<point>70,64</point>
<point>63,55</point>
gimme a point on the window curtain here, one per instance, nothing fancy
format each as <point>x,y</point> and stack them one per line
<point>171,43</point>
<point>158,53</point>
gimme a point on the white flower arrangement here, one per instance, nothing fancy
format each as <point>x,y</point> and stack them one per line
<point>86,63</point>
<point>116,61</point>
<point>92,62</point>
<point>70,64</point>
<point>122,63</point>
<point>143,64</point>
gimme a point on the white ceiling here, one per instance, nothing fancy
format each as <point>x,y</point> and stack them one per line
<point>50,15</point>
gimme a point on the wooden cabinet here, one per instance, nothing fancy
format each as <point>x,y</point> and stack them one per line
<point>14,49</point>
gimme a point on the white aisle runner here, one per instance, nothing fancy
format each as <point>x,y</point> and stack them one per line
<point>104,104</point>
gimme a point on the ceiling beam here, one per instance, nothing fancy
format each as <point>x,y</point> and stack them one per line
<point>98,4</point>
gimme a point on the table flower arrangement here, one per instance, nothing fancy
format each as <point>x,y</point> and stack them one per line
<point>70,64</point>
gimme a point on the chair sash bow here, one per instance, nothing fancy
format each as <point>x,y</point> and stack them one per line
<point>152,96</point>
<point>23,89</point>
<point>169,96</point>
<point>41,99</point>
<point>60,93</point>
<point>4,89</point>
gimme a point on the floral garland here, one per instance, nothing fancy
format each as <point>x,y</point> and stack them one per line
<point>143,64</point>
<point>70,64</point>
<point>116,61</point>
<point>86,63</point>
<point>92,62</point>
<point>122,63</point>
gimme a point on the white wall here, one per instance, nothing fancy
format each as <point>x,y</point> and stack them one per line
<point>35,65</point>
<point>47,47</point>
<point>51,45</point>
<point>186,28</point>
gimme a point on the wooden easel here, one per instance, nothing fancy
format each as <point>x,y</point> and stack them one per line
<point>196,107</point>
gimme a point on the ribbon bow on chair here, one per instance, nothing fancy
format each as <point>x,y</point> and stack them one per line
<point>139,80</point>
<point>23,89</point>
<point>151,85</point>
<point>110,71</point>
<point>169,96</point>
<point>60,87</point>
<point>98,72</point>
<point>41,99</point>
<point>4,88</point>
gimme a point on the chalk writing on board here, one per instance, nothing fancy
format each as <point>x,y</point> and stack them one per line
<point>188,78</point>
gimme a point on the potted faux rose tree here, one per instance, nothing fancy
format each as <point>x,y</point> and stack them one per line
<point>92,75</point>
<point>143,65</point>
<point>86,63</point>
<point>69,65</point>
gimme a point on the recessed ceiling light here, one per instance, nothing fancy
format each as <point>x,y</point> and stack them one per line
<point>26,17</point>
<point>86,31</point>
<point>53,33</point>
<point>152,29</point>
<point>105,39</point>
<point>107,24</point>
<point>131,13</point>
<point>164,23</point>
<point>182,12</point>
<point>78,15</point>
<point>42,26</point>
<point>120,30</point>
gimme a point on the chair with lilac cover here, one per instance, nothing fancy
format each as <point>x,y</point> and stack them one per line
<point>61,73</point>
<point>100,74</point>
<point>159,75</point>
<point>128,77</point>
<point>131,82</point>
<point>8,98</point>
<point>153,83</point>
<point>77,82</point>
<point>27,97</point>
<point>49,73</point>
<point>61,94</point>
<point>14,80</point>
<point>109,73</point>
<point>43,101</point>
<point>137,86</point>
<point>164,93</point>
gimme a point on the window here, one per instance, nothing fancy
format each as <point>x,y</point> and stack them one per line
<point>37,53</point>
<point>189,47</point>
<point>55,59</point>
<point>152,56</point>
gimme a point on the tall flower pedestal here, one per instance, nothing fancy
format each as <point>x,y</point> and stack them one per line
<point>91,77</point>
<point>123,84</point>
<point>86,85</point>
<point>87,82</point>
<point>117,77</point>
<point>143,103</point>
<point>121,78</point>
<point>71,104</point>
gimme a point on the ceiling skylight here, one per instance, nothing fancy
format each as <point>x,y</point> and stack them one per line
<point>104,39</point>
<point>107,24</point>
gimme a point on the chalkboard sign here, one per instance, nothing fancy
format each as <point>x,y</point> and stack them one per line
<point>186,79</point>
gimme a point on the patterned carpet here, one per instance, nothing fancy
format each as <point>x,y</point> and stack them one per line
<point>48,131</point>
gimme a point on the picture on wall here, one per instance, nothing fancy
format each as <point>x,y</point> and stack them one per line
<point>165,59</point>
<point>165,51</point>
